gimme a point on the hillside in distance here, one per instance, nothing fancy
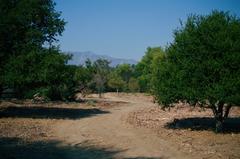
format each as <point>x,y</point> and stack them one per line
<point>79,58</point>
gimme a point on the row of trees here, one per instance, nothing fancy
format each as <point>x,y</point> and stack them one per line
<point>31,63</point>
<point>201,66</point>
<point>99,77</point>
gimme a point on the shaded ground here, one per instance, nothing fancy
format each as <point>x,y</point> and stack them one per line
<point>12,148</point>
<point>48,112</point>
<point>127,126</point>
<point>191,129</point>
<point>231,125</point>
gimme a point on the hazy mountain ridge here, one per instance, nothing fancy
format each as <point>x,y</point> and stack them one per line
<point>79,58</point>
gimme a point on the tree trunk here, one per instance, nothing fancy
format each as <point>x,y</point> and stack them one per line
<point>219,125</point>
<point>220,115</point>
<point>117,92</point>
<point>99,93</point>
<point>1,89</point>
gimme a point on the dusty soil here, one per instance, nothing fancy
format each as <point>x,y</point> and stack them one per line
<point>116,126</point>
<point>192,130</point>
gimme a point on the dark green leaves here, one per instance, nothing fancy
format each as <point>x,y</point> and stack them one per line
<point>202,63</point>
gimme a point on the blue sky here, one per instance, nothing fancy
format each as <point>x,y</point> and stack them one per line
<point>125,28</point>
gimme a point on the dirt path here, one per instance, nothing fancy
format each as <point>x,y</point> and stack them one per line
<point>112,133</point>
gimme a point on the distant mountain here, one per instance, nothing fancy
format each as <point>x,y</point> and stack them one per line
<point>79,58</point>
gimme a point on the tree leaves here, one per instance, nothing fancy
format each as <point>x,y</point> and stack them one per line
<point>202,63</point>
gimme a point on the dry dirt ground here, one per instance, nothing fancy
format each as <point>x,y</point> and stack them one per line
<point>126,126</point>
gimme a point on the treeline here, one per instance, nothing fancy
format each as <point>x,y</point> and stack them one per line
<point>31,64</point>
<point>99,77</point>
<point>201,66</point>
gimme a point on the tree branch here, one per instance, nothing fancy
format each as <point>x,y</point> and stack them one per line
<point>214,109</point>
<point>227,110</point>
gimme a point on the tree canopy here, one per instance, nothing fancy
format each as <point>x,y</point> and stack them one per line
<point>202,65</point>
<point>116,82</point>
<point>26,24</point>
<point>29,60</point>
<point>144,68</point>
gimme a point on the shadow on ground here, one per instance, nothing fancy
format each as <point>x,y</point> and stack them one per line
<point>231,125</point>
<point>49,112</point>
<point>15,148</point>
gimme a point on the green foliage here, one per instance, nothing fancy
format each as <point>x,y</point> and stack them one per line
<point>26,26</point>
<point>202,65</point>
<point>166,83</point>
<point>133,85</point>
<point>101,70</point>
<point>124,71</point>
<point>43,92</point>
<point>82,77</point>
<point>203,61</point>
<point>144,68</point>
<point>27,73</point>
<point>116,82</point>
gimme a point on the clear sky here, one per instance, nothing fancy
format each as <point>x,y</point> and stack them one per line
<point>125,28</point>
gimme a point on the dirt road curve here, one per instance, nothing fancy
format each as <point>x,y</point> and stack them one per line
<point>110,136</point>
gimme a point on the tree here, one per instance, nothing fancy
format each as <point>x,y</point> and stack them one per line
<point>124,71</point>
<point>37,70</point>
<point>144,68</point>
<point>29,60</point>
<point>27,24</point>
<point>83,78</point>
<point>133,85</point>
<point>101,70</point>
<point>116,82</point>
<point>202,65</point>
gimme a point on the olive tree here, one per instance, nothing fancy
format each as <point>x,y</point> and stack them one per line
<point>202,65</point>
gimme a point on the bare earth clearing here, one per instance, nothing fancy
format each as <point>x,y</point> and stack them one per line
<point>124,126</point>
